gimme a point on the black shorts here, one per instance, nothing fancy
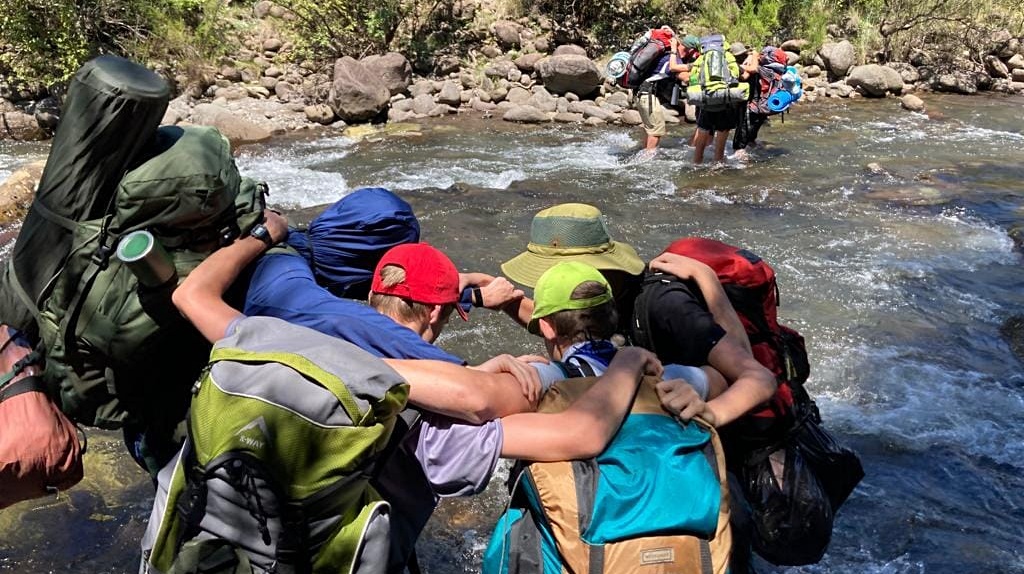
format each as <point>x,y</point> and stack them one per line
<point>717,121</point>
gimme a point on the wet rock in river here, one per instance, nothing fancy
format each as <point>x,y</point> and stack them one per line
<point>912,103</point>
<point>1013,333</point>
<point>17,191</point>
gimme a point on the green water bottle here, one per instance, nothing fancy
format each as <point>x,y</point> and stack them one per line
<point>146,258</point>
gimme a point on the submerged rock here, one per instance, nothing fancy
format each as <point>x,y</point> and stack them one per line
<point>912,103</point>
<point>1013,333</point>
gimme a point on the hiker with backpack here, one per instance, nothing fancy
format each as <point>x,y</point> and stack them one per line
<point>563,519</point>
<point>184,531</point>
<point>766,81</point>
<point>747,60</point>
<point>661,87</point>
<point>688,322</point>
<point>715,88</point>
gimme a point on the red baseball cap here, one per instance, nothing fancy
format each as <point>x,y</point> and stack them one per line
<point>430,276</point>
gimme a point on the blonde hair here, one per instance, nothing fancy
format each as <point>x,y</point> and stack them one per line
<point>398,308</point>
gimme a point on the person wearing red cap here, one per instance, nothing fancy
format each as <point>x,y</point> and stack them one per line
<point>417,286</point>
<point>438,456</point>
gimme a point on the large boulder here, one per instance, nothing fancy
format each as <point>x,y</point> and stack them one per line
<point>234,127</point>
<point>507,33</point>
<point>570,73</point>
<point>955,82</point>
<point>526,115</point>
<point>17,191</point>
<point>996,68</point>
<point>875,80</point>
<point>20,126</point>
<point>570,50</point>
<point>909,73</point>
<point>528,62</point>
<point>357,94</point>
<point>839,57</point>
<point>450,94</point>
<point>795,45</point>
<point>500,69</point>
<point>1016,62</point>
<point>392,68</point>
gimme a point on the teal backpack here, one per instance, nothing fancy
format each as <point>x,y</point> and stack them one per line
<point>285,430</point>
<point>599,516</point>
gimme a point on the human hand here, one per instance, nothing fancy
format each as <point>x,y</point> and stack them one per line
<point>682,400</point>
<point>679,265</point>
<point>500,292</point>
<point>521,371</point>
<point>639,359</point>
<point>276,224</point>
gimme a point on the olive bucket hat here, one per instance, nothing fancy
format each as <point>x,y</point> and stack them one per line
<point>570,232</point>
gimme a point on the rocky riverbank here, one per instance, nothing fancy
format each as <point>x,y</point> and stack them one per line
<point>519,71</point>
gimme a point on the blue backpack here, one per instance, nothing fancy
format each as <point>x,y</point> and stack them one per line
<point>599,515</point>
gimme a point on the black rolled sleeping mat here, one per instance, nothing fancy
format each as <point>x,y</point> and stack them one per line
<point>110,114</point>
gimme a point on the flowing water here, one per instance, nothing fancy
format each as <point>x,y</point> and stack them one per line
<point>899,274</point>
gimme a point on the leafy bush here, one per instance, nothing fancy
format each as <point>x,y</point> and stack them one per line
<point>48,40</point>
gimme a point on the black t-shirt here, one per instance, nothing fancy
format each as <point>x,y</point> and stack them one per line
<point>681,327</point>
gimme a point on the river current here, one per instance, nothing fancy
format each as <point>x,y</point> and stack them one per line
<point>891,236</point>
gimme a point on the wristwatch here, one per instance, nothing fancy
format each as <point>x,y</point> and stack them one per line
<point>261,232</point>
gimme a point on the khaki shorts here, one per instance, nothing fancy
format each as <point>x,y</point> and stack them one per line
<point>651,114</point>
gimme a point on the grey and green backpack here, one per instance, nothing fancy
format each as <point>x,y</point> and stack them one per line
<point>286,428</point>
<point>118,352</point>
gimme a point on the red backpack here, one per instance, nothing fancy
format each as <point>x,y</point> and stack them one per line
<point>644,54</point>
<point>750,284</point>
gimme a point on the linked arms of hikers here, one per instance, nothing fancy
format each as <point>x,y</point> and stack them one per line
<point>499,387</point>
<point>585,428</point>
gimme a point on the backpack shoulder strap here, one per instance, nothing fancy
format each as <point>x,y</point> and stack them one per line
<point>580,367</point>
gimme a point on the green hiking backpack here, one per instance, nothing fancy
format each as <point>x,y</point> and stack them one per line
<point>117,351</point>
<point>286,428</point>
<point>714,86</point>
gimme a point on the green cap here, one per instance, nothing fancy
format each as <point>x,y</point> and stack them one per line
<point>570,232</point>
<point>553,292</point>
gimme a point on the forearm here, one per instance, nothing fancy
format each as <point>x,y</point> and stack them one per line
<point>200,295</point>
<point>741,397</point>
<point>460,392</point>
<point>581,431</point>
<point>521,311</point>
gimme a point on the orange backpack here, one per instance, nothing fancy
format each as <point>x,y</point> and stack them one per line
<point>39,448</point>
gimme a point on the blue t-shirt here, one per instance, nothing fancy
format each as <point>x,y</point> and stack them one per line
<point>440,457</point>
<point>283,286</point>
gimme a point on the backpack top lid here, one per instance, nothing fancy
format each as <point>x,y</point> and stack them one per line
<point>189,182</point>
<point>712,42</point>
<point>732,264</point>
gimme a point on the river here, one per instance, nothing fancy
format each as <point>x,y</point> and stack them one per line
<point>891,236</point>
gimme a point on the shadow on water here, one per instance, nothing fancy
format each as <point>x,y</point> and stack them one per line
<point>889,234</point>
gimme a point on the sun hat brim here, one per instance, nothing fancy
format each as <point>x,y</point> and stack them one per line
<point>527,267</point>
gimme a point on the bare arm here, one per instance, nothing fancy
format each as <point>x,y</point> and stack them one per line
<point>200,297</point>
<point>753,385</point>
<point>588,425</point>
<point>460,392</point>
<point>718,302</point>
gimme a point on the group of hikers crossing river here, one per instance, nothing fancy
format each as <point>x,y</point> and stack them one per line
<point>283,389</point>
<point>731,86</point>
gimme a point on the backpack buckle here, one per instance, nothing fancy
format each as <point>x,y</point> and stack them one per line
<point>101,257</point>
